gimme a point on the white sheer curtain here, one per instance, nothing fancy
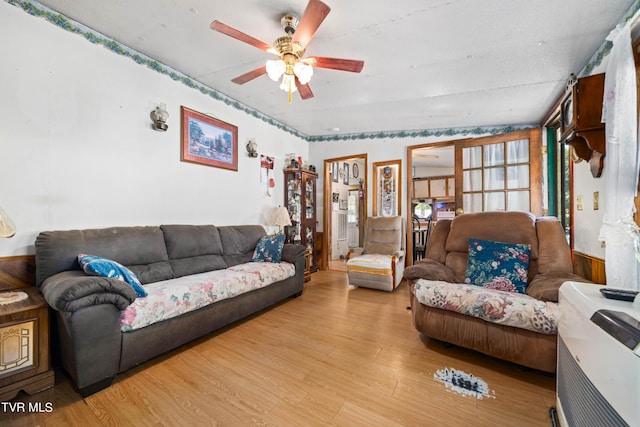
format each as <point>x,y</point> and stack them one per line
<point>619,230</point>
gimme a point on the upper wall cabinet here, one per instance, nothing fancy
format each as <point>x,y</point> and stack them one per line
<point>580,125</point>
<point>438,187</point>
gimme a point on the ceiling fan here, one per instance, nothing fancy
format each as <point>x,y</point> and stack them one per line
<point>295,70</point>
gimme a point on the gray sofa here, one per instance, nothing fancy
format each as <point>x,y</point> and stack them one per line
<point>87,338</point>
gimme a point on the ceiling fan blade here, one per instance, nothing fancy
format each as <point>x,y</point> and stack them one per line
<point>305,90</point>
<point>313,16</point>
<point>351,65</point>
<point>238,35</point>
<point>247,77</point>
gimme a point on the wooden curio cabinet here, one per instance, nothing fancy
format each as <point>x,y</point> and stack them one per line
<point>300,200</point>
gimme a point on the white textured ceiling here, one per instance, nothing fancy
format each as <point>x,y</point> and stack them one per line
<point>429,64</point>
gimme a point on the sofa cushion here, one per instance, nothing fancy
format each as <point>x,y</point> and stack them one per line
<point>193,248</point>
<point>269,249</point>
<point>57,251</point>
<point>98,266</point>
<point>174,297</point>
<point>239,242</point>
<point>497,265</point>
<point>505,308</point>
<point>380,265</point>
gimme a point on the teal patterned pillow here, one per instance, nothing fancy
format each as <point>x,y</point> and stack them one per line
<point>496,265</point>
<point>98,266</point>
<point>269,249</point>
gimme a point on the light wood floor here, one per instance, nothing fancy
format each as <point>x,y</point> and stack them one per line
<point>338,265</point>
<point>334,356</point>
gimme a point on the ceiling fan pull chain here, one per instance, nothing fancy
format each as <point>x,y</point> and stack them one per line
<point>290,91</point>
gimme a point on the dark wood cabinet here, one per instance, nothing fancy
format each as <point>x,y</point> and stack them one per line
<point>300,200</point>
<point>580,124</point>
<point>24,343</point>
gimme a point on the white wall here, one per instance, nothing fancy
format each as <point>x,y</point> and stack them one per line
<point>77,149</point>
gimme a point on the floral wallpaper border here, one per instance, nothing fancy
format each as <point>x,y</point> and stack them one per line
<point>606,46</point>
<point>36,9</point>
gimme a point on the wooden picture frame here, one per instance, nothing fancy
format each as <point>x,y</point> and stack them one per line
<point>334,171</point>
<point>345,177</point>
<point>208,141</point>
<point>387,190</point>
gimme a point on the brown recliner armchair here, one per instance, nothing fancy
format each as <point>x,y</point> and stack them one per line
<point>446,260</point>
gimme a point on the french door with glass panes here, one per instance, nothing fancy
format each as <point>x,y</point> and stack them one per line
<point>499,173</point>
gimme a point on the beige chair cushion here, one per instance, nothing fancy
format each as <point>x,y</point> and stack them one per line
<point>380,263</point>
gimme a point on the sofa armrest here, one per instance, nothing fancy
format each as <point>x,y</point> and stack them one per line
<point>353,252</point>
<point>545,286</point>
<point>72,290</point>
<point>431,270</point>
<point>291,251</point>
<point>399,254</point>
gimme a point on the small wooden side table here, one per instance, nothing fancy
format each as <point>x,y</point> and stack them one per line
<point>24,343</point>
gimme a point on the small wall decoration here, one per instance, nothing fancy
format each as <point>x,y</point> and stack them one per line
<point>386,199</point>
<point>345,176</point>
<point>334,171</point>
<point>208,141</point>
<point>343,204</point>
<point>355,170</point>
<point>266,166</point>
<point>335,197</point>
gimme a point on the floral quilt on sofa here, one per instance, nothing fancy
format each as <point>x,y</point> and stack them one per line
<point>506,308</point>
<point>171,298</point>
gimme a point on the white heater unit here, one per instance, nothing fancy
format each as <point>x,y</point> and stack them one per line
<point>598,379</point>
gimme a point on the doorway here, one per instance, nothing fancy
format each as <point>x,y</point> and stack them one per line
<point>431,168</point>
<point>353,216</point>
<point>345,198</point>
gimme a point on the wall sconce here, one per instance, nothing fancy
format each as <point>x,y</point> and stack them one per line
<point>159,117</point>
<point>7,227</point>
<point>252,148</point>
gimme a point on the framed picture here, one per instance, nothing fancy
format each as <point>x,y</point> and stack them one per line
<point>355,170</point>
<point>208,141</point>
<point>345,177</point>
<point>343,204</point>
<point>334,171</point>
<point>387,190</point>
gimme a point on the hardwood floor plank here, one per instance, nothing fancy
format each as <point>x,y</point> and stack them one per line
<point>337,355</point>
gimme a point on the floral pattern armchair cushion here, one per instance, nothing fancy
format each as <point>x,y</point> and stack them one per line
<point>491,305</point>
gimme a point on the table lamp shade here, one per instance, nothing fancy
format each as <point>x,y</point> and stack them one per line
<point>7,227</point>
<point>280,217</point>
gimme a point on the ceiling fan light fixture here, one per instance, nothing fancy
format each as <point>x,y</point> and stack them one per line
<point>303,72</point>
<point>288,83</point>
<point>275,69</point>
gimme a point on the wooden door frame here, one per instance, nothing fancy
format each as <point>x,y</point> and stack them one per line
<point>535,163</point>
<point>410,195</point>
<point>328,181</point>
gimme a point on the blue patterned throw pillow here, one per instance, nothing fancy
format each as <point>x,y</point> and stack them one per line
<point>98,266</point>
<point>497,265</point>
<point>269,249</point>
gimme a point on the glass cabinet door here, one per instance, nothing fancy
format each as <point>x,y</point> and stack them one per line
<point>310,192</point>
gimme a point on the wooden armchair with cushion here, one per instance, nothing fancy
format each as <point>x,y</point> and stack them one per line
<point>489,282</point>
<point>379,263</point>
